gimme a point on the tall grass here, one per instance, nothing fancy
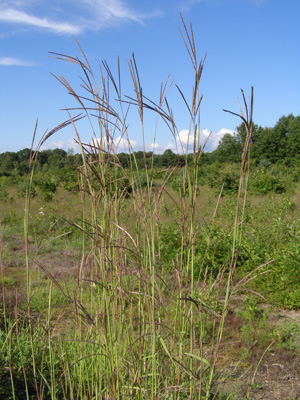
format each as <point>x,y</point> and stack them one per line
<point>134,326</point>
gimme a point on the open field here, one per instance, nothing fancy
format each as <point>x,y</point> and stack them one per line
<point>65,288</point>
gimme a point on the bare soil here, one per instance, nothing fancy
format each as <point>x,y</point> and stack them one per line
<point>272,375</point>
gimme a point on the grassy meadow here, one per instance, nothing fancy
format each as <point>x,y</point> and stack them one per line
<point>145,282</point>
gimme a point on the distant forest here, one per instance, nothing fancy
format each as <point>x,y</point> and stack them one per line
<point>280,144</point>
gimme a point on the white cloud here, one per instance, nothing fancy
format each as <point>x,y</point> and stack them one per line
<point>185,140</point>
<point>154,146</point>
<point>61,144</point>
<point>21,17</point>
<point>119,144</point>
<point>108,10</point>
<point>123,145</point>
<point>74,17</point>
<point>170,146</point>
<point>9,61</point>
<point>159,149</point>
<point>216,137</point>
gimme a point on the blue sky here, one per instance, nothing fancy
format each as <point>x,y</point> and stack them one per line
<point>248,43</point>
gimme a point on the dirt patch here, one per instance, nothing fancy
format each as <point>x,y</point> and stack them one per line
<point>268,374</point>
<point>277,376</point>
<point>60,264</point>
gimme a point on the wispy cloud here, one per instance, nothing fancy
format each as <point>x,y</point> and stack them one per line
<point>74,18</point>
<point>10,61</point>
<point>11,15</point>
<point>113,10</point>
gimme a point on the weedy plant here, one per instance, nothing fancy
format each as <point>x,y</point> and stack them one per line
<point>134,327</point>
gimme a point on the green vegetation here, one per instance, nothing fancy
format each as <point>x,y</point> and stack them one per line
<point>133,263</point>
<point>274,155</point>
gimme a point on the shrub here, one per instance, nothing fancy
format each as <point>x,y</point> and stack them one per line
<point>6,181</point>
<point>47,187</point>
<point>22,189</point>
<point>3,193</point>
<point>178,183</point>
<point>263,181</point>
<point>227,174</point>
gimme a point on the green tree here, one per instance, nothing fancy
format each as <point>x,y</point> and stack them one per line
<point>168,158</point>
<point>291,125</point>
<point>242,133</point>
<point>8,162</point>
<point>229,148</point>
<point>23,159</point>
<point>280,143</point>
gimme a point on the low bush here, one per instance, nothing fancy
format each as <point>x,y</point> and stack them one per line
<point>23,188</point>
<point>224,174</point>
<point>264,181</point>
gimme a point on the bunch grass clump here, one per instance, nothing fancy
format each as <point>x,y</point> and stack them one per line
<point>137,323</point>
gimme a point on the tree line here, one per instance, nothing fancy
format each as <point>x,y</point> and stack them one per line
<point>280,144</point>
